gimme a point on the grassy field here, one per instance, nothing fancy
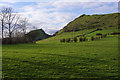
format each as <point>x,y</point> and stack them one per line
<point>74,34</point>
<point>52,59</point>
<point>85,22</point>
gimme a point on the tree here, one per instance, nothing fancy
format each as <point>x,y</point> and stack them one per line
<point>23,23</point>
<point>3,16</point>
<point>12,20</point>
<point>13,26</point>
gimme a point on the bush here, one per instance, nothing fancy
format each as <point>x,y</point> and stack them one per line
<point>99,34</point>
<point>75,39</point>
<point>67,40</point>
<point>103,36</point>
<point>115,33</point>
<point>16,40</point>
<point>92,38</point>
<point>97,38</point>
<point>84,39</point>
<point>62,40</point>
<point>71,40</point>
<point>99,29</point>
<point>80,39</point>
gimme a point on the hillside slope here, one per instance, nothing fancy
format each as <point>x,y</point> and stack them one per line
<point>84,22</point>
<point>88,25</point>
<point>38,34</point>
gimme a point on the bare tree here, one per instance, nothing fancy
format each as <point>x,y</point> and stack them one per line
<point>13,26</point>
<point>23,23</point>
<point>12,21</point>
<point>3,16</point>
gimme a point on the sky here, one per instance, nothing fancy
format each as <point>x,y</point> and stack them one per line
<point>53,15</point>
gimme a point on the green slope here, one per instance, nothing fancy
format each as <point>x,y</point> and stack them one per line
<point>37,35</point>
<point>87,25</point>
<point>51,59</point>
<point>83,22</point>
<point>94,59</point>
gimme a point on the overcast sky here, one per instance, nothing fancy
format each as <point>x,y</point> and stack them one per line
<point>53,15</point>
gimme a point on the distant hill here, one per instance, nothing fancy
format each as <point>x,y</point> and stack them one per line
<point>38,34</point>
<point>104,21</point>
<point>89,25</point>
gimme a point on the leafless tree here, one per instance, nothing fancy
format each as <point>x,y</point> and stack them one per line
<point>3,16</point>
<point>11,21</point>
<point>23,23</point>
<point>14,27</point>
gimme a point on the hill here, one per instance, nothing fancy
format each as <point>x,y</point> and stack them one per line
<point>50,58</point>
<point>88,25</point>
<point>104,21</point>
<point>38,34</point>
<point>80,60</point>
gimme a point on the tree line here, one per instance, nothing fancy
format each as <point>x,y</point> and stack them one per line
<point>13,26</point>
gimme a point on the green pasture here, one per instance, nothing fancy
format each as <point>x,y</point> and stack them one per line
<point>52,59</point>
<point>78,33</point>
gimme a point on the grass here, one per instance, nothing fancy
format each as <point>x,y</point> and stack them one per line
<point>0,60</point>
<point>105,21</point>
<point>52,59</point>
<point>74,34</point>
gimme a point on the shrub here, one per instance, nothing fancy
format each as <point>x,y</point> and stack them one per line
<point>71,40</point>
<point>115,33</point>
<point>99,29</point>
<point>97,38</point>
<point>99,34</point>
<point>16,40</point>
<point>80,39</point>
<point>75,39</point>
<point>92,38</point>
<point>62,40</point>
<point>103,36</point>
<point>84,39</point>
<point>67,40</point>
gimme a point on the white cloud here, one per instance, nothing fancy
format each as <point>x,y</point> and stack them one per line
<point>106,9</point>
<point>103,8</point>
<point>13,1</point>
<point>53,16</point>
<point>10,1</point>
<point>41,18</point>
<point>5,5</point>
<point>108,0</point>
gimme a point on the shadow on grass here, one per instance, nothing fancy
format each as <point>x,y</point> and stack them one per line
<point>66,70</point>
